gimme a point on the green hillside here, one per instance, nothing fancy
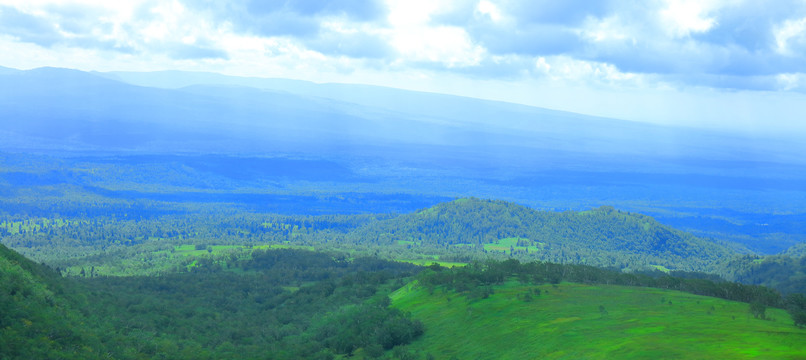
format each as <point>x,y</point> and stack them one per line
<point>38,317</point>
<point>298,304</point>
<point>459,231</point>
<point>798,250</point>
<point>782,272</point>
<point>601,237</point>
<point>574,321</point>
<point>291,304</point>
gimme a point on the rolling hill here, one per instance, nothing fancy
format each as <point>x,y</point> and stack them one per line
<point>602,237</point>
<point>40,318</point>
<point>574,321</point>
<point>302,304</point>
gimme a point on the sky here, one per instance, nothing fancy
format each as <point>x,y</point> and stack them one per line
<point>729,64</point>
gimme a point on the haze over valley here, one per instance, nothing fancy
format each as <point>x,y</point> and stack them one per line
<point>380,180</point>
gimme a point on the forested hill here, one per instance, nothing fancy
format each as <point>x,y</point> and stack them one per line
<point>601,237</point>
<point>39,320</point>
<point>291,304</point>
<point>785,272</point>
<point>795,251</point>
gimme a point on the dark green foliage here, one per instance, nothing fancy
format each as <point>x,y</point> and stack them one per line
<point>796,306</point>
<point>477,277</point>
<point>366,325</point>
<point>758,310</point>
<point>37,316</point>
<point>462,230</point>
<point>341,306</point>
<point>783,272</point>
<point>796,251</point>
<point>602,237</point>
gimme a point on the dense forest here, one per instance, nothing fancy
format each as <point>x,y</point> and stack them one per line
<point>718,203</point>
<point>277,304</point>
<point>462,230</point>
<point>244,264</point>
<point>459,231</point>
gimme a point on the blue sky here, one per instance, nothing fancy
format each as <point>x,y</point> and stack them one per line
<point>712,63</point>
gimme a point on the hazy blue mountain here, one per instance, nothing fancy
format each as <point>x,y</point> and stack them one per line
<point>549,128</point>
<point>214,113</point>
<point>5,70</point>
<point>728,186</point>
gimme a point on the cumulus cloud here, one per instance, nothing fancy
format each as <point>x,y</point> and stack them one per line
<point>737,44</point>
<point>27,28</point>
<point>148,28</point>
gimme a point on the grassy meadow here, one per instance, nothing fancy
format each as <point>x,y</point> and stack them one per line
<point>574,321</point>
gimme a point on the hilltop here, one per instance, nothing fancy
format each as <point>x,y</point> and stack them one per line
<point>603,237</point>
<point>463,230</point>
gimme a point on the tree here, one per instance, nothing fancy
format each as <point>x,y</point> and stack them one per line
<point>796,306</point>
<point>758,310</point>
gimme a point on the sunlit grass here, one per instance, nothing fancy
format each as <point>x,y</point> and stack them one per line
<point>426,262</point>
<point>572,321</point>
<point>511,243</point>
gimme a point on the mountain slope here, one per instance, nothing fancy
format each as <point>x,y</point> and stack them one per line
<point>795,251</point>
<point>244,114</point>
<point>785,272</point>
<point>39,318</point>
<point>602,237</point>
<point>737,188</point>
<point>574,321</point>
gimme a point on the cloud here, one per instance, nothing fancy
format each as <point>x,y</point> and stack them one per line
<point>675,40</point>
<point>298,18</point>
<point>73,25</point>
<point>569,12</point>
<point>338,40</point>
<point>361,10</point>
<point>736,44</point>
<point>191,52</point>
<point>27,28</point>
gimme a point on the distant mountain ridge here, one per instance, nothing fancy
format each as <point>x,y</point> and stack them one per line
<point>723,185</point>
<point>193,108</point>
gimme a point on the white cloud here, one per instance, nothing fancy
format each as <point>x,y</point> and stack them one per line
<point>619,47</point>
<point>790,36</point>
<point>609,29</point>
<point>446,45</point>
<point>415,39</point>
<point>413,12</point>
<point>684,17</point>
<point>490,10</point>
<point>791,81</point>
<point>579,72</point>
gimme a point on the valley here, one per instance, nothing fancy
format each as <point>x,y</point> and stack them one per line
<point>181,215</point>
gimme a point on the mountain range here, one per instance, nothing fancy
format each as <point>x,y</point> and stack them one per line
<point>735,187</point>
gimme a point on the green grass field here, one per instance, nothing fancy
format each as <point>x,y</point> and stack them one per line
<point>426,262</point>
<point>511,243</point>
<point>573,321</point>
